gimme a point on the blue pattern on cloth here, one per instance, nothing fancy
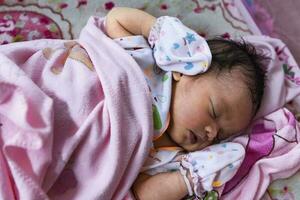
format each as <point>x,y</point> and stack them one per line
<point>178,48</point>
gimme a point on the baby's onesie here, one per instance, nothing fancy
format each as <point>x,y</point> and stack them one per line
<point>173,47</point>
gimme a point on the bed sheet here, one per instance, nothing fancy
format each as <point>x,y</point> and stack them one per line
<point>33,19</point>
<point>22,20</point>
<point>278,19</point>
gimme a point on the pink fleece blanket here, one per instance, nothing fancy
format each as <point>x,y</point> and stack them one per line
<point>75,118</point>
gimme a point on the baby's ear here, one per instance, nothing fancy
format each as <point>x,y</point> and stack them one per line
<point>176,76</point>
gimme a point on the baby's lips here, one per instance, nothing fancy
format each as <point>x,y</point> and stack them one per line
<point>192,137</point>
<point>200,137</point>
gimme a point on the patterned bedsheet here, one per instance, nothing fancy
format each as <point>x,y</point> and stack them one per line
<point>22,20</point>
<point>278,19</point>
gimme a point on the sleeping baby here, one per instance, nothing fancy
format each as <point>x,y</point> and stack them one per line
<point>203,92</point>
<point>77,118</point>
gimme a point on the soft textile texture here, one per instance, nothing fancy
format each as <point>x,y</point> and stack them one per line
<point>277,18</point>
<point>211,167</point>
<point>178,48</point>
<point>76,118</point>
<point>283,74</point>
<point>272,152</point>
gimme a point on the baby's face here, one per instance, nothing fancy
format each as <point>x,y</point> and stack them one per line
<point>208,107</point>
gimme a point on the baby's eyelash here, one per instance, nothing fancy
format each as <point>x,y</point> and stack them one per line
<point>212,110</point>
<point>214,115</point>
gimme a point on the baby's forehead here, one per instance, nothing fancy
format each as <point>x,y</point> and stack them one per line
<point>229,79</point>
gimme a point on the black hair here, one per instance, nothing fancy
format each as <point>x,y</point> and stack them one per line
<point>229,55</point>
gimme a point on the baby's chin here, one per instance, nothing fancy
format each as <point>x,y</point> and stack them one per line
<point>194,147</point>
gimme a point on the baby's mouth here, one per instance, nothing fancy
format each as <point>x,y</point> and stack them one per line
<point>194,138</point>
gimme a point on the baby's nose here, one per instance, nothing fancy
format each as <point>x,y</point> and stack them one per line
<point>212,131</point>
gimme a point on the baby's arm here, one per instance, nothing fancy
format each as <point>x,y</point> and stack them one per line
<point>121,22</point>
<point>197,173</point>
<point>167,185</point>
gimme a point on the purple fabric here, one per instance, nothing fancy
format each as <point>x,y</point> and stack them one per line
<point>273,141</point>
<point>260,144</point>
<point>279,19</point>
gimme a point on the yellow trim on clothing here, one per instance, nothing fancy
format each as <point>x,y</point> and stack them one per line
<point>217,183</point>
<point>169,148</point>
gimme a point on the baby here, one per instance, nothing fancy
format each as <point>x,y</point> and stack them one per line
<point>197,110</point>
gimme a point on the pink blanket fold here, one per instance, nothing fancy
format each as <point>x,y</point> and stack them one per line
<point>75,118</point>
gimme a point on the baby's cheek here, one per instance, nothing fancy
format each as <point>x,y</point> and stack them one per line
<point>190,115</point>
<point>192,119</point>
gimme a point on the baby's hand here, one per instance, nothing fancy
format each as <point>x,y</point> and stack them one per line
<point>211,167</point>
